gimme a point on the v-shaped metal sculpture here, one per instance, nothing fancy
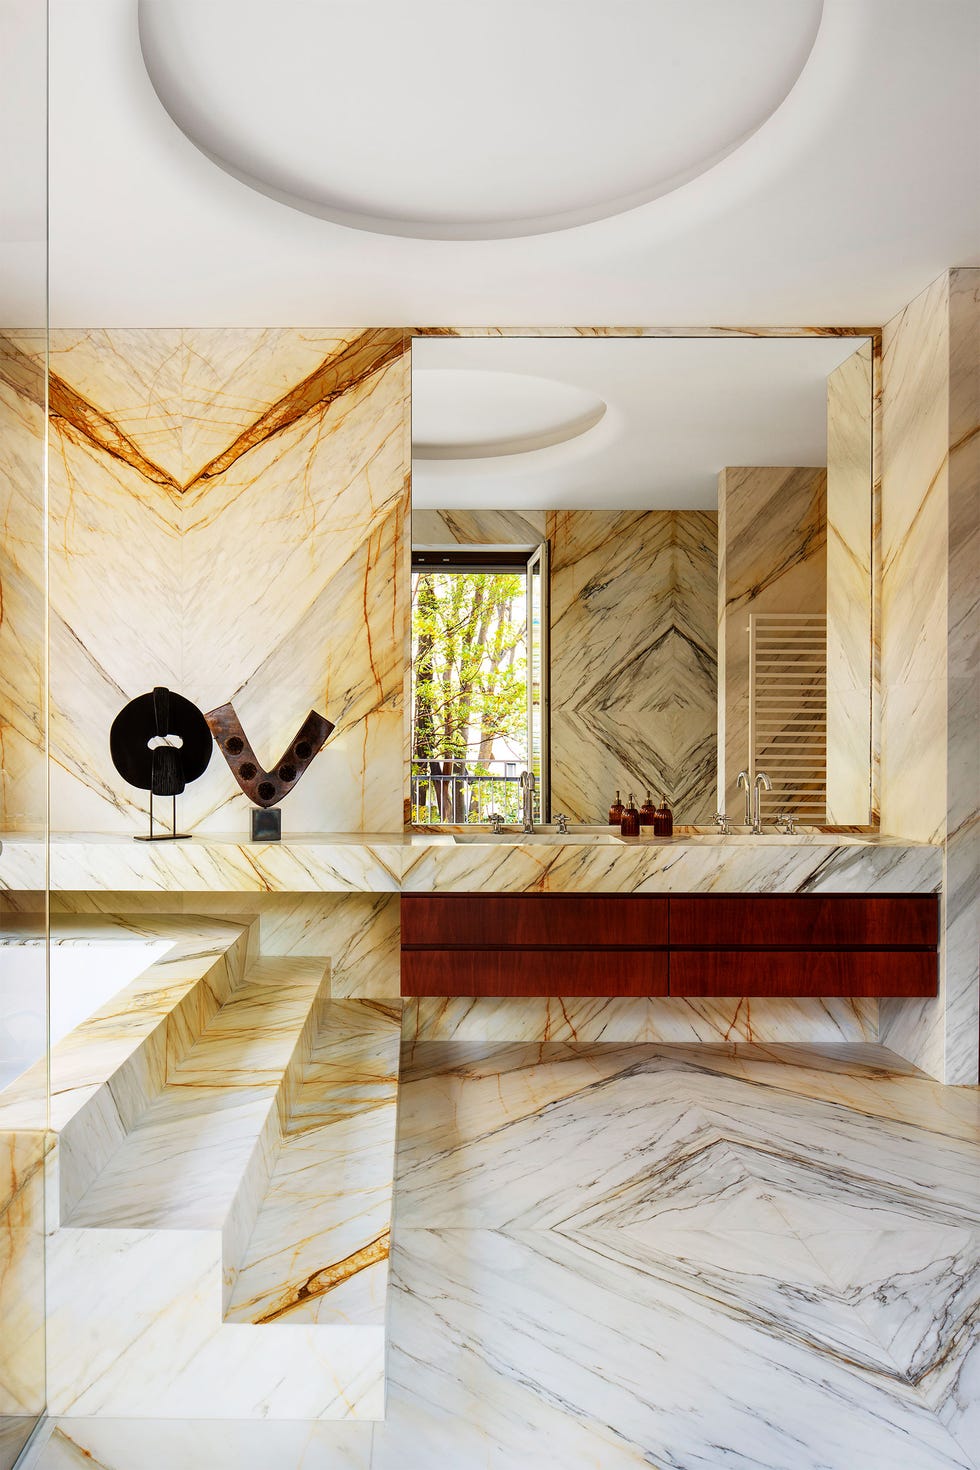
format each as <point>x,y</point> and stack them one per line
<point>266,788</point>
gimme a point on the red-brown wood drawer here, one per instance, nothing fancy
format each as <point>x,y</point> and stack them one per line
<point>501,919</point>
<point>826,921</point>
<point>803,972</point>
<point>534,972</point>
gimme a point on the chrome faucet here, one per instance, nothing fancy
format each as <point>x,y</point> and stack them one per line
<point>724,825</point>
<point>743,784</point>
<point>527,789</point>
<point>561,822</point>
<point>761,780</point>
<point>496,823</point>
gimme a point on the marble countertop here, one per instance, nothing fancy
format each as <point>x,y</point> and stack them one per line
<point>592,860</point>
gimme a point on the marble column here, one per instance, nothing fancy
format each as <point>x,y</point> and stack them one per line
<point>849,589</point>
<point>930,789</point>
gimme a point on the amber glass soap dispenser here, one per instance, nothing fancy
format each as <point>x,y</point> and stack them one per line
<point>663,822</point>
<point>616,812</point>
<point>648,813</point>
<point>630,824</point>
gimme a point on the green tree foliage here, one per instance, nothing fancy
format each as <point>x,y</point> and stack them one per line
<point>470,668</point>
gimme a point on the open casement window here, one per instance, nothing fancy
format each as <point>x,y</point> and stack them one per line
<point>537,680</point>
<point>480,682</point>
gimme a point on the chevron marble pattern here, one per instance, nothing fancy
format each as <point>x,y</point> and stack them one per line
<point>242,495</point>
<point>689,1258</point>
<point>634,681</point>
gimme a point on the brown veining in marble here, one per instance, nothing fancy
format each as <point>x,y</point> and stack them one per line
<point>82,421</point>
<point>330,1277</point>
<point>341,373</point>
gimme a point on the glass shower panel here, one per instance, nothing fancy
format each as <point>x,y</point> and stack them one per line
<point>23,679</point>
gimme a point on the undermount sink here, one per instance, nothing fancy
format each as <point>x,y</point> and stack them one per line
<point>547,839</point>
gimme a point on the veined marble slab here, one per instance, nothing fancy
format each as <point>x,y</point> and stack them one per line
<point>813,863</point>
<point>161,1189</point>
<point>433,862</point>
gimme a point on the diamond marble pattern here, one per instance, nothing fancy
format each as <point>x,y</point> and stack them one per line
<point>688,1257</point>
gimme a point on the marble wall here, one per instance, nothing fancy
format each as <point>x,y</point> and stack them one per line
<point>24,1141</point>
<point>930,788</point>
<point>227,513</point>
<point>849,588</point>
<point>22,582</point>
<point>772,557</point>
<point>633,648</point>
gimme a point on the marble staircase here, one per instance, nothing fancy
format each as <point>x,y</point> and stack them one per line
<point>222,1190</point>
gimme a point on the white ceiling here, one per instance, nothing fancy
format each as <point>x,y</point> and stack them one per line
<point>857,191</point>
<point>519,118</point>
<point>677,410</point>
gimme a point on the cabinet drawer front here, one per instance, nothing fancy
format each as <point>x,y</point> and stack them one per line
<point>533,972</point>
<point>813,972</point>
<point>826,921</point>
<point>498,920</point>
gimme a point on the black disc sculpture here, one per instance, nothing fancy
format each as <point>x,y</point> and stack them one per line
<point>158,743</point>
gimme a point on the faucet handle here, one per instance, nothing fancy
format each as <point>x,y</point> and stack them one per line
<point>724,825</point>
<point>496,823</point>
<point>561,822</point>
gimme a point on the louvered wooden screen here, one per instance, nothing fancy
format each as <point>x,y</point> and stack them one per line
<point>788,712</point>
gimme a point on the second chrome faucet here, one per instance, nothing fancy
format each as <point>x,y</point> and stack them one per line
<point>527,794</point>
<point>753,798</point>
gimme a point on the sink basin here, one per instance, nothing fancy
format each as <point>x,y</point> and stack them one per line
<point>539,839</point>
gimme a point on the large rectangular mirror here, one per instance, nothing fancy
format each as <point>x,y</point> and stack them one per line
<point>642,565</point>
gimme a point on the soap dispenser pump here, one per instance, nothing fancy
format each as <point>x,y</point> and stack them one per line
<point>663,822</point>
<point>630,824</point>
<point>616,812</point>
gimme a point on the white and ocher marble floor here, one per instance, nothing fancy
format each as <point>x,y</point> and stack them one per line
<point>693,1258</point>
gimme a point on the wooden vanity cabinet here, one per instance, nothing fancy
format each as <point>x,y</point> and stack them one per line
<point>533,944</point>
<point>804,945</point>
<point>522,944</point>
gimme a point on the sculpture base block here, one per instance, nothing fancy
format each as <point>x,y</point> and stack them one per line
<point>266,824</point>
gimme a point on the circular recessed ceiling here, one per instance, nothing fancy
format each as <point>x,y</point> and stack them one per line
<point>469,414</point>
<point>444,120</point>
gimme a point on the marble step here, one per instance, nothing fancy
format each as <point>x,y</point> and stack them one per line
<point>199,1156</point>
<point>318,1252</point>
<point>230,1262</point>
<point>107,1070</point>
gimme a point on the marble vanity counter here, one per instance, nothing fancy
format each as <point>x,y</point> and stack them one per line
<point>809,862</point>
<point>423,862</point>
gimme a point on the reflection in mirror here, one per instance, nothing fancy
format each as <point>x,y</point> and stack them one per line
<point>700,511</point>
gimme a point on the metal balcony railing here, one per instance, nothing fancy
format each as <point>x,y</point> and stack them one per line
<point>460,791</point>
